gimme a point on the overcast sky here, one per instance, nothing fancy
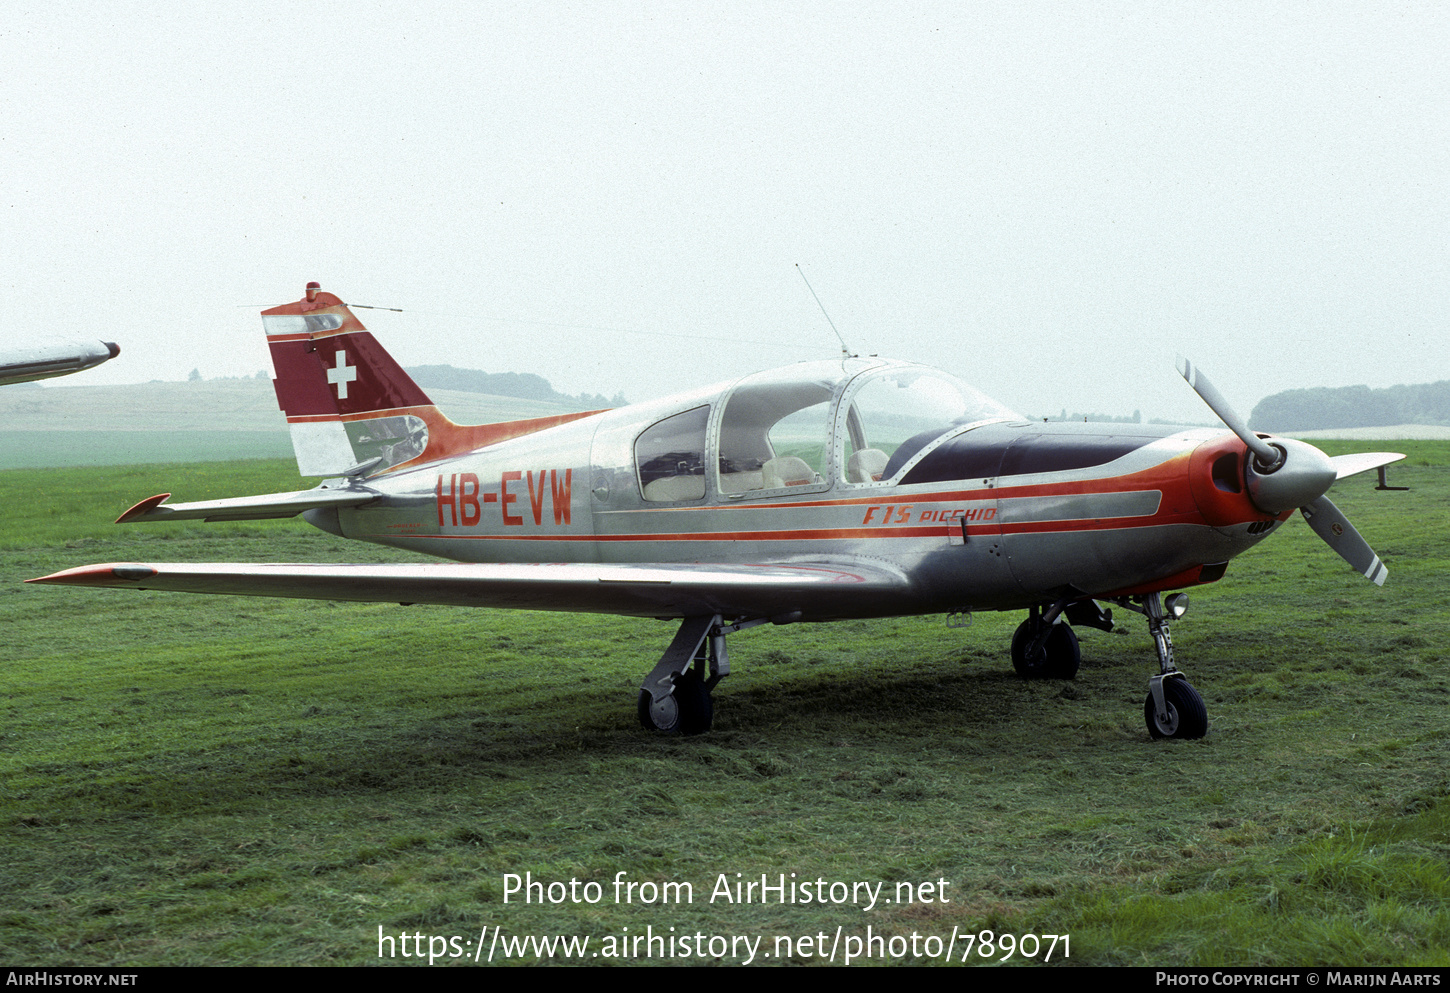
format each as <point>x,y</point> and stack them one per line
<point>1050,200</point>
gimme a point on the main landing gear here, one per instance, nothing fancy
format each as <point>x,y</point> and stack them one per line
<point>675,698</point>
<point>1042,648</point>
<point>1173,708</point>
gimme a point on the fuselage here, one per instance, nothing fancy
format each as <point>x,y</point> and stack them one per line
<point>838,462</point>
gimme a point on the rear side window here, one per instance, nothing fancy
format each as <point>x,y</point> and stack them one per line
<point>670,458</point>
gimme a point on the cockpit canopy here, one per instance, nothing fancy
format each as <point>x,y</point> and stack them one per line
<point>858,422</point>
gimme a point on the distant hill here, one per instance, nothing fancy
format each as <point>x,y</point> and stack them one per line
<point>1325,408</point>
<point>524,385</point>
<point>217,405</point>
<point>201,420</point>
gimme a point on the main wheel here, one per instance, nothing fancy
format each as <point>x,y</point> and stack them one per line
<point>1059,658</point>
<point>1187,717</point>
<point>688,710</point>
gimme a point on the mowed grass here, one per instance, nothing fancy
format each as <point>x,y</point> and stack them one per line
<point>199,780</point>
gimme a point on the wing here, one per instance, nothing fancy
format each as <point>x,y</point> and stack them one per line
<point>1350,465</point>
<point>799,591</point>
<point>47,359</point>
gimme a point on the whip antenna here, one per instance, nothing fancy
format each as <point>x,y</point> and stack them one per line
<point>845,352</point>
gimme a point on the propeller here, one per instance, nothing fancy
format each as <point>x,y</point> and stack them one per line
<point>1330,524</point>
<point>1285,473</point>
<point>1267,457</point>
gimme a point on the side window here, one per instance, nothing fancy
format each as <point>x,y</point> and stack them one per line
<point>775,435</point>
<point>803,435</point>
<point>670,458</point>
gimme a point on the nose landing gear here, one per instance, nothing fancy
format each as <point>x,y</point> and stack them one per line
<point>1173,708</point>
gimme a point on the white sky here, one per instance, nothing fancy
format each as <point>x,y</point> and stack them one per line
<point>1048,199</point>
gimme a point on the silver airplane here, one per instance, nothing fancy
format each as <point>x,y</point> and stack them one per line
<point>47,359</point>
<point>850,488</point>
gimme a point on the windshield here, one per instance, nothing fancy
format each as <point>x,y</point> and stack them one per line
<point>896,413</point>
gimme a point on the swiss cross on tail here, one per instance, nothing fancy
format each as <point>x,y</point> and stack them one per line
<point>341,374</point>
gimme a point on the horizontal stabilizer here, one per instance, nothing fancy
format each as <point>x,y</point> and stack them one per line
<point>810,592</point>
<point>266,506</point>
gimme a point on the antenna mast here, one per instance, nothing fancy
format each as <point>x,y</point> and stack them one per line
<point>845,352</point>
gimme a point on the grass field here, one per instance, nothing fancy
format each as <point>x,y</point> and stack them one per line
<point>55,449</point>
<point>196,780</point>
<point>212,421</point>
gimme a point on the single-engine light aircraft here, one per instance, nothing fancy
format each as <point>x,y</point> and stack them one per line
<point>849,488</point>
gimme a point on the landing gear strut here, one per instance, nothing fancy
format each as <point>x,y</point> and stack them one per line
<point>1173,708</point>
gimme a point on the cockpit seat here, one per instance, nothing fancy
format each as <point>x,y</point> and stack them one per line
<point>787,470</point>
<point>672,489</point>
<point>865,466</point>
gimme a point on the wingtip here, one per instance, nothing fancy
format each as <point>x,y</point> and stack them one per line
<point>97,575</point>
<point>143,508</point>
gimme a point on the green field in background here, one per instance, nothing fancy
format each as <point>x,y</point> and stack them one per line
<point>58,449</point>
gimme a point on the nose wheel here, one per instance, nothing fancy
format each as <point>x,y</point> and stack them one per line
<point>1179,713</point>
<point>1174,708</point>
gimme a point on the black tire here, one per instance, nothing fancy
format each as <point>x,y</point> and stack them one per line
<point>1061,655</point>
<point>1187,716</point>
<point>689,710</point>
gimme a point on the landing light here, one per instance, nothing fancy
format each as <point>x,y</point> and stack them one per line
<point>1176,605</point>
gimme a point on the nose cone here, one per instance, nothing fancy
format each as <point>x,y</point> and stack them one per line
<point>1304,476</point>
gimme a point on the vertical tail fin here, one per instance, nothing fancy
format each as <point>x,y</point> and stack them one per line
<point>346,400</point>
<point>351,408</point>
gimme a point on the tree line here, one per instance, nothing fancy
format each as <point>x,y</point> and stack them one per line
<point>524,385</point>
<point>1353,407</point>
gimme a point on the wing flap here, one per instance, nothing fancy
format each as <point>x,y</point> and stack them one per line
<point>819,591</point>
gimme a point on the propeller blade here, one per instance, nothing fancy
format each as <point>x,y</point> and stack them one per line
<point>1331,525</point>
<point>1349,465</point>
<point>1267,454</point>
